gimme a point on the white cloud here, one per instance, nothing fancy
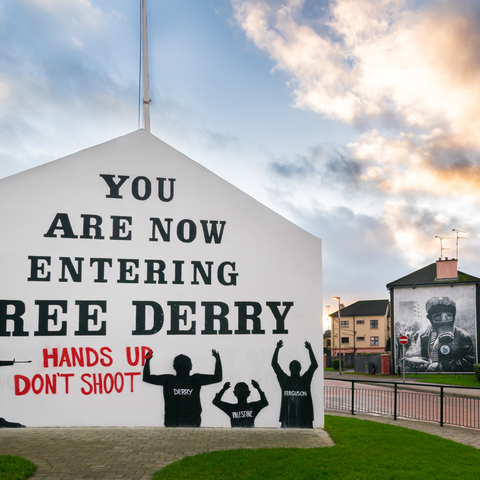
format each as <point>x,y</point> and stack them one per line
<point>379,58</point>
<point>410,79</point>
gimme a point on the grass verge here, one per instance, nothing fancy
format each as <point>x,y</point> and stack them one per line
<point>15,468</point>
<point>458,380</point>
<point>364,450</point>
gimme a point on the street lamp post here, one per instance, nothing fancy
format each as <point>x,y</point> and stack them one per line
<point>331,329</point>
<point>339,337</point>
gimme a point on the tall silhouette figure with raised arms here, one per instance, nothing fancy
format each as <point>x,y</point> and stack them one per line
<point>297,407</point>
<point>182,391</point>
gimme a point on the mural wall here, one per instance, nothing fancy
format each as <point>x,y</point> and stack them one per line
<point>440,323</point>
<point>137,287</point>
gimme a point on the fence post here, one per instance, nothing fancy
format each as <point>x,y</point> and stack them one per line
<point>395,401</point>
<point>353,397</point>
<point>441,406</point>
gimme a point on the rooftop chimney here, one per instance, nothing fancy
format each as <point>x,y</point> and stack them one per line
<point>446,269</point>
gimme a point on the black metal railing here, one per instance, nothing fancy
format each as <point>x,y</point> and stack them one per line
<point>401,401</point>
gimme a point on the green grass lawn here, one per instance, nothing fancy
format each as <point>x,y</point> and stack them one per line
<point>364,450</point>
<point>460,380</point>
<point>15,468</point>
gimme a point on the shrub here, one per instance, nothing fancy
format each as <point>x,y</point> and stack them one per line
<point>476,370</point>
<point>336,364</point>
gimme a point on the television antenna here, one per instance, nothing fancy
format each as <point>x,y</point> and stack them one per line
<point>442,248</point>
<point>458,237</point>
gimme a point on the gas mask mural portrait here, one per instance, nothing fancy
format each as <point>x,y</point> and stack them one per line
<point>438,344</point>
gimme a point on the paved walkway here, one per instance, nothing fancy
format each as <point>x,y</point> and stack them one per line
<point>136,453</point>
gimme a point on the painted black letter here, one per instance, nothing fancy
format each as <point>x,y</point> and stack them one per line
<point>16,316</point>
<point>176,316</point>
<point>114,187</point>
<point>280,318</point>
<point>61,222</point>
<point>44,316</point>
<point>84,316</point>
<point>243,316</point>
<point>140,318</point>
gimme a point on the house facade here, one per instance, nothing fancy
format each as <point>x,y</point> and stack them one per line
<point>364,328</point>
<point>436,308</point>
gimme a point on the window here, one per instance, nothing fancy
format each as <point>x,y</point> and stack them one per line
<point>360,339</point>
<point>360,322</point>
<point>373,340</point>
<point>373,323</point>
<point>345,340</point>
<point>344,323</point>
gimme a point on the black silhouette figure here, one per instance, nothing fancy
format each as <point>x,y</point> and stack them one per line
<point>182,391</point>
<point>4,423</point>
<point>242,414</point>
<point>297,406</point>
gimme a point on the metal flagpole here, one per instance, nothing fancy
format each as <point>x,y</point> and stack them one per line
<point>146,87</point>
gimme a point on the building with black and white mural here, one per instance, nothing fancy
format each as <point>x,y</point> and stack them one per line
<point>436,307</point>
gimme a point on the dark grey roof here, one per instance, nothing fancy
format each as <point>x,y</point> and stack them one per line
<point>363,308</point>
<point>427,276</point>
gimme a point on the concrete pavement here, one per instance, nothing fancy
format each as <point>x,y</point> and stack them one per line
<point>136,453</point>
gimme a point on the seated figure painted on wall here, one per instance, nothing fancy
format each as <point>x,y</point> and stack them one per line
<point>297,407</point>
<point>182,391</point>
<point>444,347</point>
<point>242,413</point>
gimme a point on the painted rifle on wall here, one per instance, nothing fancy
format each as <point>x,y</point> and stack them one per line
<point>7,363</point>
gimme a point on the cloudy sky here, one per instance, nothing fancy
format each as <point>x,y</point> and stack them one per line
<point>359,120</point>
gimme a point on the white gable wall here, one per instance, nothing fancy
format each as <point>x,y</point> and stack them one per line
<point>275,262</point>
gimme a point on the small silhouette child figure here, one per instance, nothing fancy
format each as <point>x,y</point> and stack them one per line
<point>242,414</point>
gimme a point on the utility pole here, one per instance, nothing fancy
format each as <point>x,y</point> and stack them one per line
<point>331,329</point>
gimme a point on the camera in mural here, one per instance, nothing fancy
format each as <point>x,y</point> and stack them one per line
<point>440,326</point>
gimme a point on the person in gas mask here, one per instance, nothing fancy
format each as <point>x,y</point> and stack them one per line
<point>445,347</point>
